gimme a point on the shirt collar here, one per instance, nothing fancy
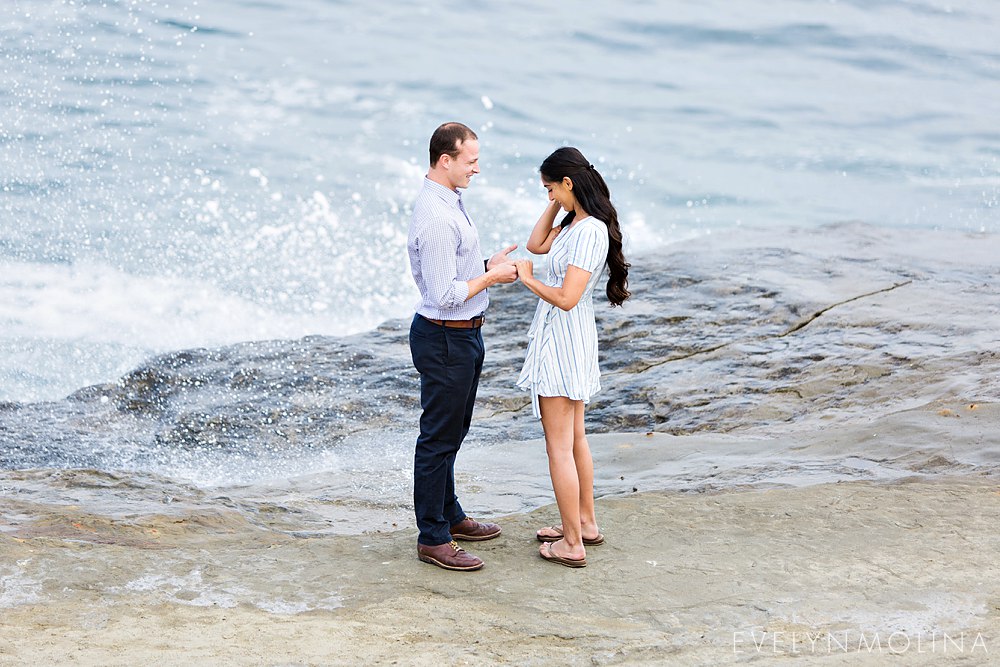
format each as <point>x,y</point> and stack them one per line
<point>447,194</point>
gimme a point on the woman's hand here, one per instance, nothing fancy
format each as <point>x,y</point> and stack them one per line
<point>544,232</point>
<point>524,269</point>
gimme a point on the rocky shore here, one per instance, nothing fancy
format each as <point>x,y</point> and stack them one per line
<point>848,573</point>
<point>796,451</point>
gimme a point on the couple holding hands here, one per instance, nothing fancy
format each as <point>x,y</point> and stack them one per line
<point>560,368</point>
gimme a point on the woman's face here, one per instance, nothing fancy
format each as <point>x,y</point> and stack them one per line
<point>561,192</point>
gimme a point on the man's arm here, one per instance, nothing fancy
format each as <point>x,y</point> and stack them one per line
<point>501,273</point>
<point>499,269</point>
<point>437,244</point>
<point>437,241</point>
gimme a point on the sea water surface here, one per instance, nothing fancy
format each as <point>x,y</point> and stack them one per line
<point>186,174</point>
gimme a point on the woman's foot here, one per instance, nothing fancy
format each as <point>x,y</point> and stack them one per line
<point>550,552</point>
<point>554,533</point>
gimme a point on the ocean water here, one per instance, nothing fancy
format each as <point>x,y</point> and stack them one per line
<point>179,174</point>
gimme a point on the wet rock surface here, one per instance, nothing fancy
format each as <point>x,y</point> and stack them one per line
<point>720,335</point>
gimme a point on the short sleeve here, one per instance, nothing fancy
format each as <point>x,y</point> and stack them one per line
<point>590,248</point>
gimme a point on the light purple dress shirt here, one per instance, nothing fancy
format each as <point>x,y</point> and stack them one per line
<point>443,246</point>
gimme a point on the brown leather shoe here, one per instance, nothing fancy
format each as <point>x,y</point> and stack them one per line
<point>450,556</point>
<point>471,530</point>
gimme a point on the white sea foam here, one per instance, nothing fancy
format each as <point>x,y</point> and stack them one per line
<point>193,589</point>
<point>16,588</point>
<point>285,607</point>
<point>86,322</point>
<point>190,589</point>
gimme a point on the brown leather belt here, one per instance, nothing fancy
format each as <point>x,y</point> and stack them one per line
<point>474,323</point>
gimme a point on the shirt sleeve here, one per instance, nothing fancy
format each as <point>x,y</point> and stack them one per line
<point>437,242</point>
<point>590,248</point>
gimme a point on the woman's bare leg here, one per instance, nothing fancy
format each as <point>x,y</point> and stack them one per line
<point>584,473</point>
<point>558,419</point>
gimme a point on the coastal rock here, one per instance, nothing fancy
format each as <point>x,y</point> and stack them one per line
<point>719,336</point>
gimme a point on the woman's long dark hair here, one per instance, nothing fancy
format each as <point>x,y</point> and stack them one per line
<point>592,192</point>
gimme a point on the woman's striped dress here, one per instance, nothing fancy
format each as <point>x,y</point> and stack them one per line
<point>562,345</point>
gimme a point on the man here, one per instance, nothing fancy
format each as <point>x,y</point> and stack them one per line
<point>446,342</point>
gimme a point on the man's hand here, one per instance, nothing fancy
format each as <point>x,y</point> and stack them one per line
<point>501,258</point>
<point>504,272</point>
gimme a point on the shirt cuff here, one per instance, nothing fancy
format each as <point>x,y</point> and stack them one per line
<point>461,292</point>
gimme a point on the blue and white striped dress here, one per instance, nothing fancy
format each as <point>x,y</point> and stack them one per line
<point>562,345</point>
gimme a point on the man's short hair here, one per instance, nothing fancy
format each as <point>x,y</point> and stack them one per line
<point>448,139</point>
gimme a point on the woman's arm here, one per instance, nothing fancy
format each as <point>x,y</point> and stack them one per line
<point>544,233</point>
<point>565,297</point>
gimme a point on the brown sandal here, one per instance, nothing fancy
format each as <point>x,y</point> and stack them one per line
<point>587,541</point>
<point>547,554</point>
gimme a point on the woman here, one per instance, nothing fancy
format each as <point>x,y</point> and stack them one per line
<point>560,367</point>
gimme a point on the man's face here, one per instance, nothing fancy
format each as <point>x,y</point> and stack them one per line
<point>465,165</point>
